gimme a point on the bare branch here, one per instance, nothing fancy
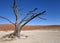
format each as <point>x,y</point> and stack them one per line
<point>14,4</point>
<point>39,14</point>
<point>15,10</point>
<point>7,19</point>
<point>30,12</point>
<point>41,18</point>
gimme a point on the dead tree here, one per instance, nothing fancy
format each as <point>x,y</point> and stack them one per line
<point>26,19</point>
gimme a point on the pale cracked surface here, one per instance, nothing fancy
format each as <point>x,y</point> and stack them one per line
<point>35,36</point>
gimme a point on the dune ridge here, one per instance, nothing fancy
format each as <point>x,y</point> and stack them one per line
<point>27,27</point>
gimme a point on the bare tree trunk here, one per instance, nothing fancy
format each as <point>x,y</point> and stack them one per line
<point>17,24</point>
<point>15,10</point>
<point>18,28</point>
<point>16,32</point>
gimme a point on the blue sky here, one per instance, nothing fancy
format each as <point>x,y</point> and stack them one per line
<point>52,8</point>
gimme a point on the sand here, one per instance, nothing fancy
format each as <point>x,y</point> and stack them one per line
<point>35,36</point>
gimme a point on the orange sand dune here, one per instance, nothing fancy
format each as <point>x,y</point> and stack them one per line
<point>11,27</point>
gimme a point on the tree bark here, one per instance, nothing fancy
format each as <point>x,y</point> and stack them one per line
<point>17,24</point>
<point>15,10</point>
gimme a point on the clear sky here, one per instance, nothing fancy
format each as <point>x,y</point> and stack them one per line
<point>52,8</point>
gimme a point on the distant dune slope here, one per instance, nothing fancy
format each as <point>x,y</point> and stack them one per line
<point>11,27</point>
